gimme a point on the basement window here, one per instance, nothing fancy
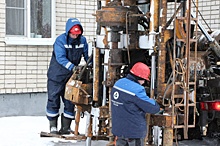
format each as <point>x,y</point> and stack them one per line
<point>30,22</point>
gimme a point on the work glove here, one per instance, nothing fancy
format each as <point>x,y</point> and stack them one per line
<point>90,65</point>
<point>160,112</point>
<point>76,68</point>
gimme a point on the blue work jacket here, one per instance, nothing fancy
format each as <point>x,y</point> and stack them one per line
<point>129,104</point>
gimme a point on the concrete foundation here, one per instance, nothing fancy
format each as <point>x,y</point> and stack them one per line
<point>31,104</point>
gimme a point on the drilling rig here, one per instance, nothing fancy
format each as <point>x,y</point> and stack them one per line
<point>184,61</point>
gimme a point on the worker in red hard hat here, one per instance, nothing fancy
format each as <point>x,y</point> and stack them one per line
<point>129,105</point>
<point>68,50</point>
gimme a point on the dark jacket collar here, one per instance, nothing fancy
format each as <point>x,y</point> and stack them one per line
<point>132,78</point>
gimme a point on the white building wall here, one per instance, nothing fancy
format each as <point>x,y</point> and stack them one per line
<point>81,9</point>
<point>210,10</point>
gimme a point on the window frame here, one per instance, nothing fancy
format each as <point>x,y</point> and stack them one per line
<point>13,40</point>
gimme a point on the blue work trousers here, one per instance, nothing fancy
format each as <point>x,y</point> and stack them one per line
<point>129,141</point>
<point>55,94</point>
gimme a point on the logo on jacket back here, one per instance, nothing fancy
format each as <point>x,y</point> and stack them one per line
<point>116,95</point>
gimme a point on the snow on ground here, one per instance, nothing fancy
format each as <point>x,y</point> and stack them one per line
<point>25,131</point>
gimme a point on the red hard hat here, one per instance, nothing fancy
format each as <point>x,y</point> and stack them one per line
<point>141,70</point>
<point>75,30</point>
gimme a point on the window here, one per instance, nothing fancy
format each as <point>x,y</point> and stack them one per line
<point>30,22</point>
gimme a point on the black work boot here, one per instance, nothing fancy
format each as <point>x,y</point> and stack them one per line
<point>53,127</point>
<point>65,125</point>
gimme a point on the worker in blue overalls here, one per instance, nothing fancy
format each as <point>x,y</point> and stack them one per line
<point>68,49</point>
